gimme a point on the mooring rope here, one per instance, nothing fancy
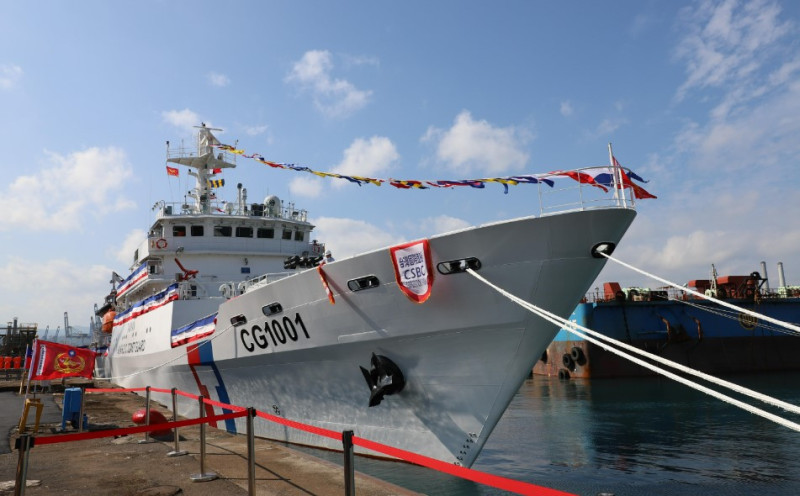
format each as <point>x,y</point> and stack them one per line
<point>572,327</point>
<point>691,291</point>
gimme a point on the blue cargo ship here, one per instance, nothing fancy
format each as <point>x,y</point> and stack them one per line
<point>692,331</point>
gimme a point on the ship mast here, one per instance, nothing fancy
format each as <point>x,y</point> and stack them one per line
<point>203,162</point>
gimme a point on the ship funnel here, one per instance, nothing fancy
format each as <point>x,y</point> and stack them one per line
<point>764,274</point>
<point>781,278</point>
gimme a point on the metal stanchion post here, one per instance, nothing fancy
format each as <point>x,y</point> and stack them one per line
<point>147,417</point>
<point>251,453</point>
<point>80,415</point>
<point>349,465</point>
<point>177,451</point>
<point>203,476</point>
<point>24,443</point>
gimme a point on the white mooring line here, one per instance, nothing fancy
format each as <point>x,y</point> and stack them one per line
<point>610,345</point>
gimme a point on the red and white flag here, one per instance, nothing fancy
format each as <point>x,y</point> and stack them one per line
<point>413,270</point>
<point>55,360</point>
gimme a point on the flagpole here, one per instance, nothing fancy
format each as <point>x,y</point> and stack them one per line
<point>618,193</point>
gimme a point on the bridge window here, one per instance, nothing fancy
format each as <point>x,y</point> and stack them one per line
<point>287,234</point>
<point>244,232</point>
<point>197,230</point>
<point>265,232</point>
<point>223,231</point>
<point>179,230</point>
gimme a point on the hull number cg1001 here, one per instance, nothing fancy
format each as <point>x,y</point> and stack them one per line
<point>274,332</point>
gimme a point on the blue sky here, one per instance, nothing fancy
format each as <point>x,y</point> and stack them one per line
<point>701,98</point>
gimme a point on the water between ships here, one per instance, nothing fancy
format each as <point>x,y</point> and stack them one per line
<point>627,437</point>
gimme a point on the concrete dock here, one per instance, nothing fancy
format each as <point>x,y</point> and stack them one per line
<point>124,466</point>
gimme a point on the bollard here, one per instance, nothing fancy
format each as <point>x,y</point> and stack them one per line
<point>349,465</point>
<point>24,443</point>
<point>203,476</point>
<point>251,453</point>
<point>177,451</point>
<point>147,417</point>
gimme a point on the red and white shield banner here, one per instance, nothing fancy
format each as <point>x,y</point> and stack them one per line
<point>413,270</point>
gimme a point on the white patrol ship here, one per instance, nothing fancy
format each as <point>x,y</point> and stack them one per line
<point>399,345</point>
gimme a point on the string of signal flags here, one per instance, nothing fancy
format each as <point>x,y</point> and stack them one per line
<point>600,177</point>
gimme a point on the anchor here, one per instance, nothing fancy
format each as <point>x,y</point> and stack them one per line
<point>383,378</point>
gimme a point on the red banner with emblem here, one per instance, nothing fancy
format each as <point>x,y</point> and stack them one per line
<point>55,360</point>
<point>413,269</point>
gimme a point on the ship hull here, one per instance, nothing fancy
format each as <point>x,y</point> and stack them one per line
<point>723,343</point>
<point>463,353</point>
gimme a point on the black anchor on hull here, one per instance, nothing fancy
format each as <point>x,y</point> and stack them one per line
<point>383,378</point>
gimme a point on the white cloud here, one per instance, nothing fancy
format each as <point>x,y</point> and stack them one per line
<point>125,251</point>
<point>367,158</point>
<point>348,237</point>
<point>727,43</point>
<point>255,130</point>
<point>44,290</point>
<point>566,108</point>
<point>440,224</point>
<point>608,126</point>
<point>9,76</point>
<point>217,79</point>
<point>332,97</point>
<point>306,186</point>
<point>477,146</point>
<point>765,137</point>
<point>184,119</point>
<point>73,188</point>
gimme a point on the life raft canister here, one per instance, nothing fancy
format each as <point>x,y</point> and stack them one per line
<point>108,321</point>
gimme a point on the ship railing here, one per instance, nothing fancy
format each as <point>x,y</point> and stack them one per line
<point>567,195</point>
<point>223,208</point>
<point>262,280</point>
<point>182,150</point>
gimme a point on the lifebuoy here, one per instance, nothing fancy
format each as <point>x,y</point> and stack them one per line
<point>161,243</point>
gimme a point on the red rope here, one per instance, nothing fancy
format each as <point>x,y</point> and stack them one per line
<point>82,436</point>
<point>425,461</point>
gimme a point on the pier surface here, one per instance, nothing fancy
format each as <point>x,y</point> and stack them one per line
<point>124,466</point>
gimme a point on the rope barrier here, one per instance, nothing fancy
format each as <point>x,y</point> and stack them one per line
<point>462,472</point>
<point>82,436</point>
<point>484,478</point>
<point>572,327</point>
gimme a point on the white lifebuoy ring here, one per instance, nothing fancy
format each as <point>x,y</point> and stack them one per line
<point>161,243</point>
